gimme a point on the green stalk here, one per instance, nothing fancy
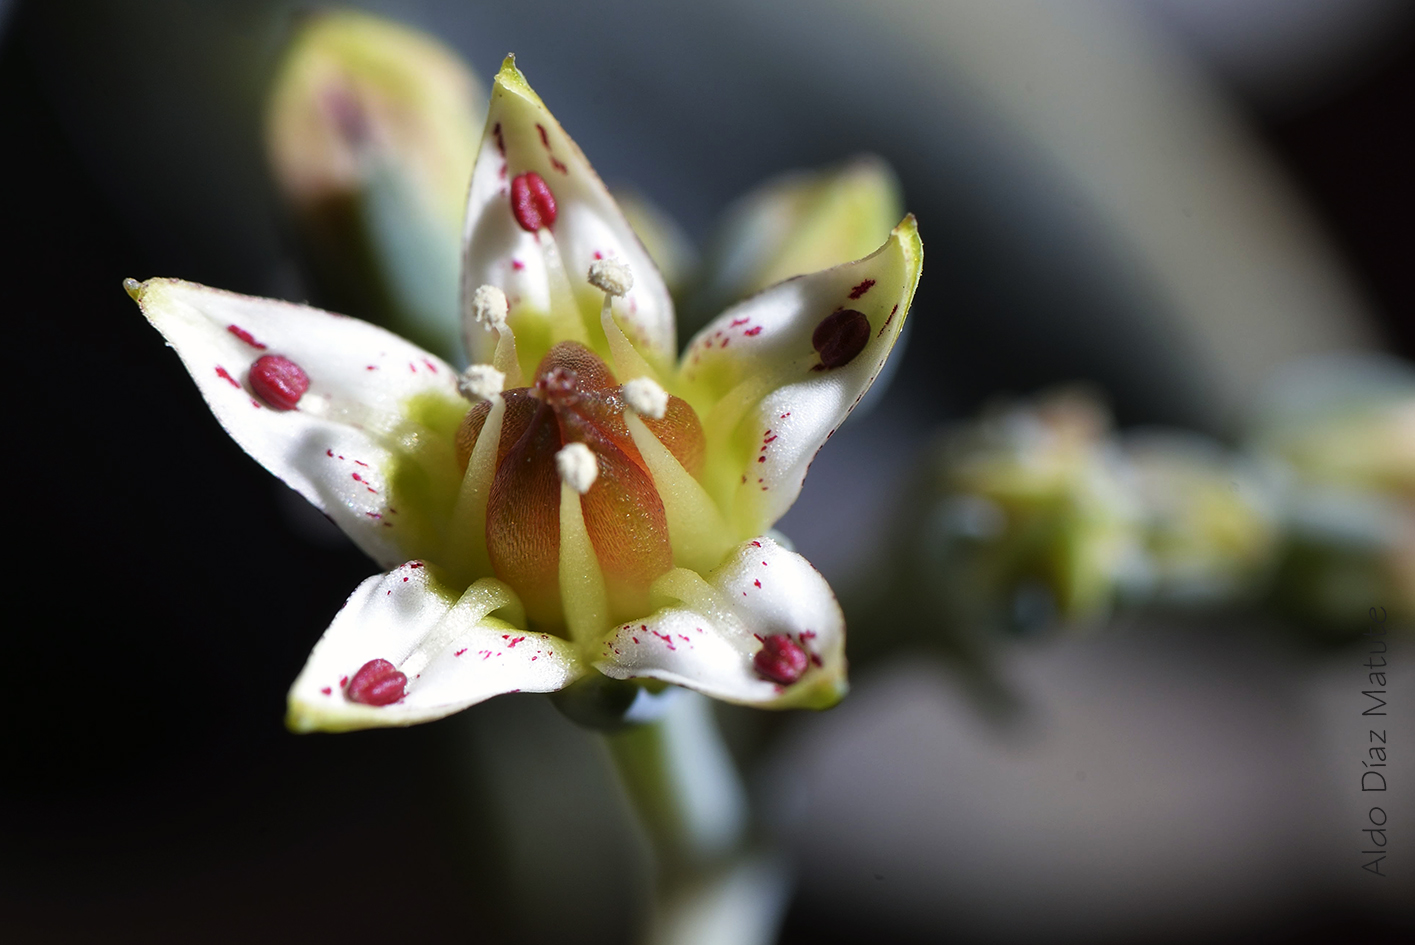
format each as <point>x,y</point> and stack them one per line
<point>712,887</point>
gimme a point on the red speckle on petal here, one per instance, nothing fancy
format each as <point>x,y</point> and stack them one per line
<point>781,659</point>
<point>753,331</point>
<point>343,681</point>
<point>460,652</point>
<point>532,202</point>
<point>559,165</point>
<point>245,336</point>
<point>517,264</point>
<point>279,381</point>
<point>758,583</point>
<point>500,143</point>
<point>377,682</point>
<point>862,288</point>
<point>756,544</point>
<point>326,690</point>
<point>222,372</point>
<point>840,337</point>
<point>544,139</point>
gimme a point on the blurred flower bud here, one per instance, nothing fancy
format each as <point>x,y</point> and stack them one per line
<point>1209,520</point>
<point>372,130</point>
<point>796,223</point>
<point>668,246</point>
<point>1034,519</point>
<point>1347,421</point>
<point>1343,431</point>
<point>1346,552</point>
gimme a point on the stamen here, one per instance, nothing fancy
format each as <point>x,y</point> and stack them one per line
<point>615,279</point>
<point>489,306</point>
<point>781,659</point>
<point>577,466</point>
<point>481,382</point>
<point>532,202</point>
<point>377,682</point>
<point>611,277</point>
<point>646,397</point>
<point>840,337</point>
<point>279,381</point>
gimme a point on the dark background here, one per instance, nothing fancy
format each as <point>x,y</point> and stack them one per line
<point>150,792</point>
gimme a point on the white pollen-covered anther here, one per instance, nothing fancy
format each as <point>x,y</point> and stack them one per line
<point>489,306</point>
<point>646,397</point>
<point>611,276</point>
<point>480,382</point>
<point>577,466</point>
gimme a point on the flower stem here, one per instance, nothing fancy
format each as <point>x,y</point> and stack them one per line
<point>686,791</point>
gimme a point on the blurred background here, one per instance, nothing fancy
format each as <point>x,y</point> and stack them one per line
<point>1171,201</point>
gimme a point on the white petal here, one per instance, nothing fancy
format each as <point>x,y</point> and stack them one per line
<point>370,441</point>
<point>708,641</point>
<point>453,653</point>
<point>522,135</point>
<point>767,401</point>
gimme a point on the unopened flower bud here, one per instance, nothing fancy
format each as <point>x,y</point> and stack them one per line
<point>797,223</point>
<point>371,131</point>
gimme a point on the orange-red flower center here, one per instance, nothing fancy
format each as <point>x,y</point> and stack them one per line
<point>576,399</point>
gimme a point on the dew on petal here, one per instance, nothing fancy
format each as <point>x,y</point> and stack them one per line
<point>532,202</point>
<point>781,659</point>
<point>840,337</point>
<point>378,682</point>
<point>279,381</point>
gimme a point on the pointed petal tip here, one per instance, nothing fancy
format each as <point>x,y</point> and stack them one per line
<point>134,288</point>
<point>297,719</point>
<point>908,229</point>
<point>302,718</point>
<point>510,77</point>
